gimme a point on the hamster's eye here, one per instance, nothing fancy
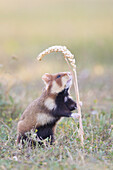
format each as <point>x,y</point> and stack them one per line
<point>58,76</point>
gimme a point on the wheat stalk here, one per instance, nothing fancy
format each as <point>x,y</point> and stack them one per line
<point>69,57</point>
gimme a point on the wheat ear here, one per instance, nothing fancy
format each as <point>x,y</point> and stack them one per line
<point>69,57</point>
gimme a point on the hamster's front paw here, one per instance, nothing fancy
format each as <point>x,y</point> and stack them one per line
<point>75,115</point>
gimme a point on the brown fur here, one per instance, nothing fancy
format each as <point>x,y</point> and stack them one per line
<point>37,113</point>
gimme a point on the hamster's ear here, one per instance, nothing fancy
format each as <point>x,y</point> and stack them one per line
<point>46,78</point>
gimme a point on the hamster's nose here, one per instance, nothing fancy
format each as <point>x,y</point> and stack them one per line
<point>69,74</point>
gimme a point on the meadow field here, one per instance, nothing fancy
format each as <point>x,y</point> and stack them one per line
<point>86,28</point>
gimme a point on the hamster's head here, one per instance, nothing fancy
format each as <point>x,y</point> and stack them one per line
<point>56,83</point>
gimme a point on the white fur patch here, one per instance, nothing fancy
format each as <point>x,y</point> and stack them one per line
<point>56,88</point>
<point>65,99</point>
<point>50,103</point>
<point>70,97</point>
<point>43,118</point>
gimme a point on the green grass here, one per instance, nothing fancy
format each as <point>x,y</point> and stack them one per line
<point>67,152</point>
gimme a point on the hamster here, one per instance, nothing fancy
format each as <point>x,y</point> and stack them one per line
<point>43,113</point>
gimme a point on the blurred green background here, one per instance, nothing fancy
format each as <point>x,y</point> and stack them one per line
<point>28,27</point>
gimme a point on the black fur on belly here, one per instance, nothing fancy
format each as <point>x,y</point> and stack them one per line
<point>47,131</point>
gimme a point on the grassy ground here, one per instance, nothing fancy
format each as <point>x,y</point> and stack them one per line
<point>67,152</point>
<point>86,28</point>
